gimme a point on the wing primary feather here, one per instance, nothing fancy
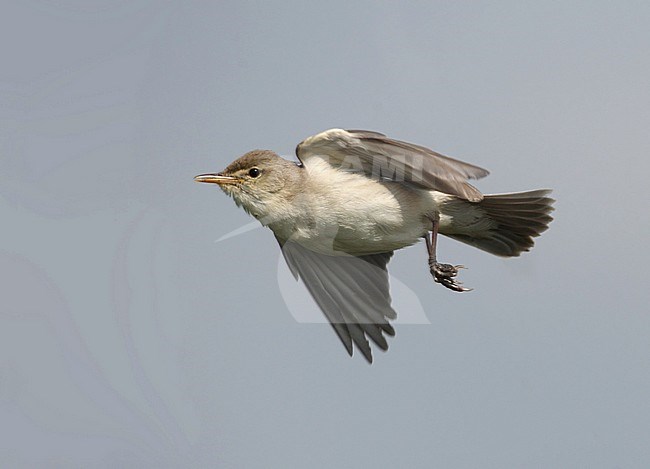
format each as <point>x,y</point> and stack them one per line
<point>352,292</point>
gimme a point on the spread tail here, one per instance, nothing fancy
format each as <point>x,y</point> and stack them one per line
<point>517,217</point>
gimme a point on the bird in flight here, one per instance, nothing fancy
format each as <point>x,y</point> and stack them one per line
<point>356,196</point>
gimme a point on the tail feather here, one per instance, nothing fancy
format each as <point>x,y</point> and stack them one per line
<point>518,218</point>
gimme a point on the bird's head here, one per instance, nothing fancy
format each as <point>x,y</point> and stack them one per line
<point>261,182</point>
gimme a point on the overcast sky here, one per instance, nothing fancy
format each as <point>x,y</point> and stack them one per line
<point>131,337</point>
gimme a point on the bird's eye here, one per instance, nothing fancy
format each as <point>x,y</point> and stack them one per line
<point>254,172</point>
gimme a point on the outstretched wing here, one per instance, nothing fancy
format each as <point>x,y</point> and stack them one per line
<point>352,292</point>
<point>378,156</point>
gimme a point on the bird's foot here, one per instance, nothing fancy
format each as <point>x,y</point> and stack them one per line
<point>445,273</point>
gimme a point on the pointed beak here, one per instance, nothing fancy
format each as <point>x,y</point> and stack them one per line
<point>216,179</point>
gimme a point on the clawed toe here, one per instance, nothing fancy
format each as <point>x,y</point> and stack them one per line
<point>453,285</point>
<point>445,273</point>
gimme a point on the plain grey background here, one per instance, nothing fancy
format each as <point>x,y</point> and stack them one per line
<point>129,337</point>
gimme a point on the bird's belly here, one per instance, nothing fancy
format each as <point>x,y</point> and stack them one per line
<point>368,217</point>
<point>360,234</point>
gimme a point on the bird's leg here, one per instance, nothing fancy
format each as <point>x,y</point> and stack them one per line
<point>442,273</point>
